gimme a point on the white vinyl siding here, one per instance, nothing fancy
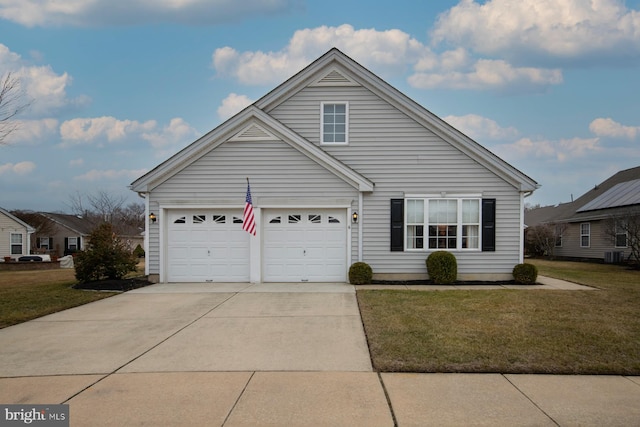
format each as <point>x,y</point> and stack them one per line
<point>402,157</point>
<point>276,170</point>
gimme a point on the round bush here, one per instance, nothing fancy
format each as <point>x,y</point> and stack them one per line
<point>442,267</point>
<point>360,273</point>
<point>525,274</point>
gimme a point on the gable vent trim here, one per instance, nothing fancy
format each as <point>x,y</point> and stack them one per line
<point>253,133</point>
<point>335,78</point>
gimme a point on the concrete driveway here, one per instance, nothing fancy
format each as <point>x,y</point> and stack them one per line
<point>277,354</point>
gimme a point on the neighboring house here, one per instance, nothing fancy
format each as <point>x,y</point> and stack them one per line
<point>15,236</point>
<point>69,234</point>
<point>584,225</point>
<point>343,167</point>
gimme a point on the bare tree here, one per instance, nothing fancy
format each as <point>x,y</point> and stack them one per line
<point>103,206</point>
<point>12,102</point>
<point>624,230</point>
<point>542,239</point>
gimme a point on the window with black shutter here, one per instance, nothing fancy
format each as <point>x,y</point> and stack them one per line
<point>489,225</point>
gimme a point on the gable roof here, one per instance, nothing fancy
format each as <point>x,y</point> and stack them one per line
<point>29,228</point>
<point>75,223</point>
<point>605,199</point>
<point>250,124</point>
<point>335,62</point>
<point>333,68</point>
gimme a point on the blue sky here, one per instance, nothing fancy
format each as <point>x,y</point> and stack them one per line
<point>551,86</point>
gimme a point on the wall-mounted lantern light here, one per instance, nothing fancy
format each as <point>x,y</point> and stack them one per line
<point>354,217</point>
<point>152,217</point>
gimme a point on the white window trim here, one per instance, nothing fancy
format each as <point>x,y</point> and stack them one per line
<point>459,198</point>
<point>346,124</point>
<point>588,234</point>
<point>615,238</point>
<point>11,244</point>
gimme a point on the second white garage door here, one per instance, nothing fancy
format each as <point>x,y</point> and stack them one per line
<point>305,245</point>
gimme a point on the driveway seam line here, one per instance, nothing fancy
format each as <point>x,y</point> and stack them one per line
<point>233,407</point>
<point>530,400</point>
<point>149,349</point>
<point>386,395</point>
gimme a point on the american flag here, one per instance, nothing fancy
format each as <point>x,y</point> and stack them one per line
<point>248,221</point>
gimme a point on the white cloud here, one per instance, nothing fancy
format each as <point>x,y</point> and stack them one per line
<point>86,13</point>
<point>89,130</point>
<point>76,162</point>
<point>386,52</point>
<point>32,131</point>
<point>175,133</point>
<point>43,89</point>
<point>560,150</point>
<point>487,74</point>
<point>390,50</point>
<point>560,29</point>
<point>480,128</point>
<point>610,128</point>
<point>110,174</point>
<point>21,168</point>
<point>233,104</point>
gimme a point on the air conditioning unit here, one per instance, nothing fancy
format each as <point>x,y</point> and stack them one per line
<point>613,257</point>
<point>617,256</point>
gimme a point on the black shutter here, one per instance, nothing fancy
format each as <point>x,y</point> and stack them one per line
<point>50,243</point>
<point>79,242</point>
<point>397,225</point>
<point>66,243</point>
<point>489,225</point>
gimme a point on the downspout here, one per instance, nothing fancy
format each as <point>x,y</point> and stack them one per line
<point>360,204</point>
<point>146,232</point>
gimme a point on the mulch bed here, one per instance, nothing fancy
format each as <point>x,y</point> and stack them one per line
<point>122,285</point>
<point>456,283</point>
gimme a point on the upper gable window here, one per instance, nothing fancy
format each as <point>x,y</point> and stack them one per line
<point>334,122</point>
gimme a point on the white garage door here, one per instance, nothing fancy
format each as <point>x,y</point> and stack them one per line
<point>305,245</point>
<point>207,246</point>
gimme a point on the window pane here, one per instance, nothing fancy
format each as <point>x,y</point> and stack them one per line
<point>470,211</point>
<point>415,211</point>
<point>340,137</point>
<point>16,239</point>
<point>329,108</point>
<point>470,237</point>
<point>415,237</point>
<point>340,108</point>
<point>328,119</point>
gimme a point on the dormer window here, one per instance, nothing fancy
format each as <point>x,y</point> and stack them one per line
<point>334,122</point>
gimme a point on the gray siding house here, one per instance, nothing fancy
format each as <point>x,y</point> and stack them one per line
<point>343,168</point>
<point>584,226</point>
<point>15,236</point>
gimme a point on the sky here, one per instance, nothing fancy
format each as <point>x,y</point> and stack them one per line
<point>116,87</point>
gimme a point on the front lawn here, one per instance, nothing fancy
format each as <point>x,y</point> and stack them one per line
<point>26,295</point>
<point>511,331</point>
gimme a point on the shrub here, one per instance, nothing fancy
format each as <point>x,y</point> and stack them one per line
<point>525,274</point>
<point>360,273</point>
<point>138,252</point>
<point>442,267</point>
<point>105,258</point>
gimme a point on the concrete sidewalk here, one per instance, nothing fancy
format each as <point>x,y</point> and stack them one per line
<point>280,354</point>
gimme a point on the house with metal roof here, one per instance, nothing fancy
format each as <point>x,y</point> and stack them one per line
<point>588,224</point>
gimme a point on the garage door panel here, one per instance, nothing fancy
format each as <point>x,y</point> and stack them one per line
<point>305,245</point>
<point>206,245</point>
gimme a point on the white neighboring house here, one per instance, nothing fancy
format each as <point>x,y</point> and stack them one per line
<point>15,236</point>
<point>343,168</point>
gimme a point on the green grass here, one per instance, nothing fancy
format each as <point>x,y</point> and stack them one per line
<point>511,331</point>
<point>26,295</point>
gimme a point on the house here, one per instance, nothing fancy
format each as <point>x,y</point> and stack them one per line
<point>15,236</point>
<point>66,234</point>
<point>343,168</point>
<point>585,227</point>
